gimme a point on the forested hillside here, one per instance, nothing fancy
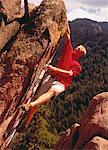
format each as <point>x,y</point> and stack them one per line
<point>66,109</point>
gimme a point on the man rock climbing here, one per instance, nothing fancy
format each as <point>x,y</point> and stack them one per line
<point>61,76</point>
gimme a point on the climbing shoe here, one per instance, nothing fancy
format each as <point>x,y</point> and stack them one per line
<point>26,107</point>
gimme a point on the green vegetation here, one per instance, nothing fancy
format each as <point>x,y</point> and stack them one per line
<point>40,135</point>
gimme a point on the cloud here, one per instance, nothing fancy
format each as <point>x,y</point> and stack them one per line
<point>91,9</point>
<point>79,13</point>
<point>98,15</point>
<point>37,2</point>
<point>95,3</point>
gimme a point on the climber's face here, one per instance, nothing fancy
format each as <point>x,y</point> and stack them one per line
<point>79,52</point>
<point>81,49</point>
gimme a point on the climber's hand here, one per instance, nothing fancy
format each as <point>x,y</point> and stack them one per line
<point>45,67</point>
<point>50,67</point>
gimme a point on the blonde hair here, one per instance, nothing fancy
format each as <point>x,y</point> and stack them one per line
<point>81,48</point>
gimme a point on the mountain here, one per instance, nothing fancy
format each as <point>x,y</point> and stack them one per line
<point>83,29</point>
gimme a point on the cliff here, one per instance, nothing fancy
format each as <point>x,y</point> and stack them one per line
<point>27,45</point>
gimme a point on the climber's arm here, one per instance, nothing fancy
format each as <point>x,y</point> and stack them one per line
<point>58,70</point>
<point>67,35</point>
<point>68,32</point>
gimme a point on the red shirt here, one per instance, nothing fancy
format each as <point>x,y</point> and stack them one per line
<point>67,62</point>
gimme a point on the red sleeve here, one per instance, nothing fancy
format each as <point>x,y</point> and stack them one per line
<point>76,68</point>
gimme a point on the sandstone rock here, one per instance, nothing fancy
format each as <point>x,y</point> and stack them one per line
<point>24,58</point>
<point>95,120</point>
<point>68,139</point>
<point>3,128</point>
<point>97,143</point>
<point>7,32</point>
<point>11,8</point>
<point>9,11</point>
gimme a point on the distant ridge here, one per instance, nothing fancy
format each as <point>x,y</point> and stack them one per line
<point>88,22</point>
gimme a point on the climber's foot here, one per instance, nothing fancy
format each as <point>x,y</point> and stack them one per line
<point>26,107</point>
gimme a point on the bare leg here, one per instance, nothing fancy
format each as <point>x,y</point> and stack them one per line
<point>43,98</point>
<point>33,105</point>
<point>30,115</point>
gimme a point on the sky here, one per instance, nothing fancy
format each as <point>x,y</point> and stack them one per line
<point>92,9</point>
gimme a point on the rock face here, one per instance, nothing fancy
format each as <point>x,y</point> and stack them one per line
<point>93,130</point>
<point>24,57</point>
<point>8,12</point>
<point>11,8</point>
<point>7,32</point>
<point>97,143</point>
<point>11,25</point>
<point>67,140</point>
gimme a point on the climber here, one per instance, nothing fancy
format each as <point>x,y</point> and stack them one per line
<point>61,75</point>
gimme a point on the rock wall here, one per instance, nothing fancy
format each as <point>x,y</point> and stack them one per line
<point>24,57</point>
<point>10,8</point>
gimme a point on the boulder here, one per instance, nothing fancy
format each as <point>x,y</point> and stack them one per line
<point>68,139</point>
<point>97,143</point>
<point>95,120</point>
